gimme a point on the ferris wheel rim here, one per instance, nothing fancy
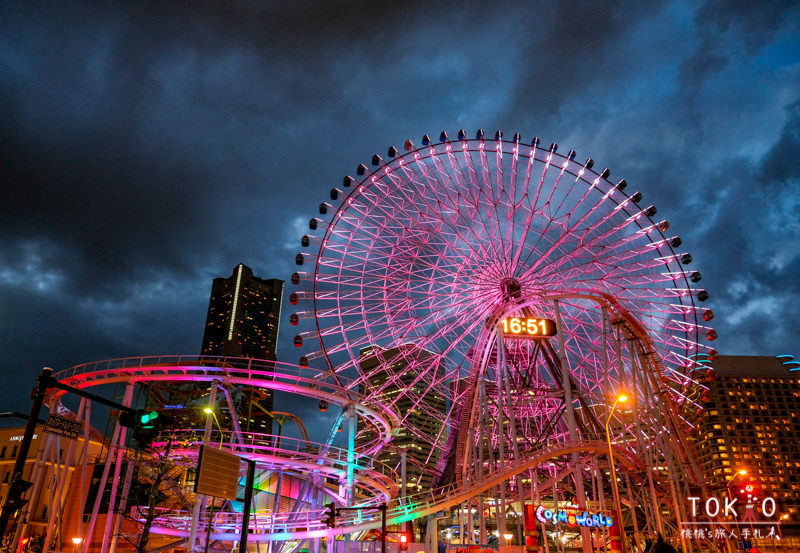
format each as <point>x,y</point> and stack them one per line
<point>429,152</point>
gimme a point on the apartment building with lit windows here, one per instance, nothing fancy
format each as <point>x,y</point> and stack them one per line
<point>398,384</point>
<point>750,421</point>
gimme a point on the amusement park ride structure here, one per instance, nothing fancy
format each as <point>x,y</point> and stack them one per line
<point>541,289</point>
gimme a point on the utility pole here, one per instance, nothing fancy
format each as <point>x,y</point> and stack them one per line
<point>18,486</point>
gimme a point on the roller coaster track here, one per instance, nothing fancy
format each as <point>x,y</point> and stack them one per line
<point>273,375</point>
<point>272,452</point>
<point>280,527</point>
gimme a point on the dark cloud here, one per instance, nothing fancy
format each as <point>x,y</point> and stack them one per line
<point>779,167</point>
<point>147,148</point>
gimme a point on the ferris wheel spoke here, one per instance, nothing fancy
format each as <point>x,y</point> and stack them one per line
<point>462,225</point>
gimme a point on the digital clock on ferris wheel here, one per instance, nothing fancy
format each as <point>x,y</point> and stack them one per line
<point>516,327</point>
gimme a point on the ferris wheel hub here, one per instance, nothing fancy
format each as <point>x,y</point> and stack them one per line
<point>511,288</point>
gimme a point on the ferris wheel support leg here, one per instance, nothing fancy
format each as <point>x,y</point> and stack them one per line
<point>600,497</point>
<point>470,524</point>
<point>521,498</point>
<point>637,378</point>
<point>678,507</point>
<point>481,507</point>
<point>461,532</point>
<point>633,503</point>
<point>201,504</point>
<point>573,429</point>
<point>653,496</point>
<point>500,510</point>
<point>512,421</point>
<point>650,452</point>
<point>622,385</point>
<point>431,533</point>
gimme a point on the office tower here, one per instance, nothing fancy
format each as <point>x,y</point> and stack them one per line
<point>750,421</point>
<point>244,313</point>
<point>394,384</point>
<point>243,316</point>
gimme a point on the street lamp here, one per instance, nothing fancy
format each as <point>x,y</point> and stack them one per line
<point>77,542</point>
<point>740,472</point>
<point>621,398</point>
<point>780,534</point>
<point>210,411</point>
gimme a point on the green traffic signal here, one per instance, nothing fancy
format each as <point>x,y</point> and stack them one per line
<point>148,418</point>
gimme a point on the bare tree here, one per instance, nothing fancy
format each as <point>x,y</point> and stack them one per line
<point>158,475</point>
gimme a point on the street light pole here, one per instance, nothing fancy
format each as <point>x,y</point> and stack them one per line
<point>620,399</point>
<point>740,472</point>
<point>210,411</point>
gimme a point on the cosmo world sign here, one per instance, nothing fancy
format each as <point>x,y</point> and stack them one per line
<point>573,518</point>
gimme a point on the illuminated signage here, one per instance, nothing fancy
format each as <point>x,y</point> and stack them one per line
<point>573,518</point>
<point>517,327</point>
<point>19,438</point>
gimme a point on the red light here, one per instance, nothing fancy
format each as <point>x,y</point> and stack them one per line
<point>749,488</point>
<point>403,538</point>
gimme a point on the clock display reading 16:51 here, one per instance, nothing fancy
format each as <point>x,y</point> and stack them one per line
<point>528,328</point>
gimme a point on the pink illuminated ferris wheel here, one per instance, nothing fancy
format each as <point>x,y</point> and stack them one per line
<point>422,273</point>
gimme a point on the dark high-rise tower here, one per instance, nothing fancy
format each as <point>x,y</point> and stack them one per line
<point>243,316</point>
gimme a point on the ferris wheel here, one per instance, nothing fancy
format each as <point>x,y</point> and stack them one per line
<point>439,262</point>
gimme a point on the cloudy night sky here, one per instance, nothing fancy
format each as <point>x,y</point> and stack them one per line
<point>148,147</point>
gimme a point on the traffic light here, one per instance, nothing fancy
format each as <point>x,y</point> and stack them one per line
<point>146,425</point>
<point>404,541</point>
<point>148,419</point>
<point>127,419</point>
<point>14,501</point>
<point>330,518</point>
<point>749,490</point>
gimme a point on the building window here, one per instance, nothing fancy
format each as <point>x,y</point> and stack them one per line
<point>14,452</point>
<point>3,452</point>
